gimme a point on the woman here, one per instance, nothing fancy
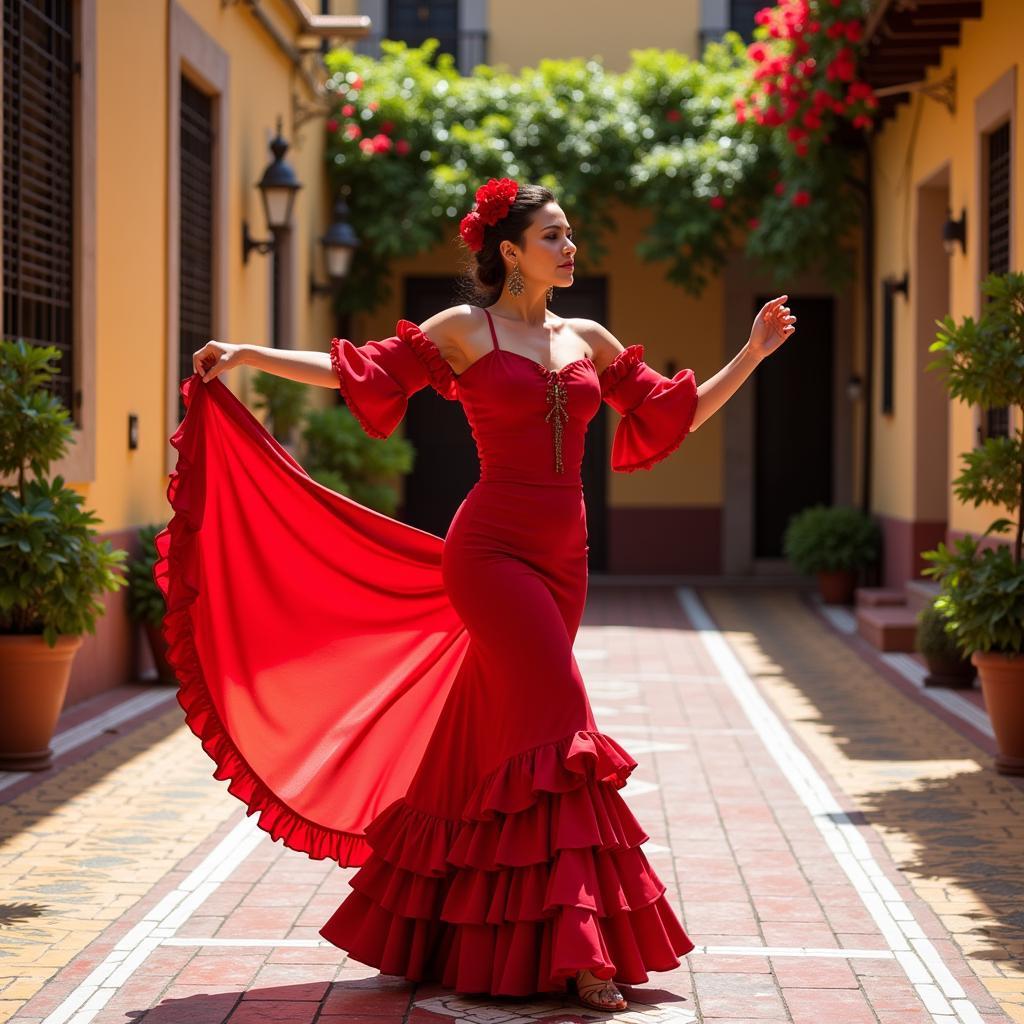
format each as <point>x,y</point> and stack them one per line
<point>428,721</point>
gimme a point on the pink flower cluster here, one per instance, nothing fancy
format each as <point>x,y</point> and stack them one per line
<point>381,141</point>
<point>807,70</point>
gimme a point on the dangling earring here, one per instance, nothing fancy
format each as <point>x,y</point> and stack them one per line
<point>551,293</point>
<point>515,280</point>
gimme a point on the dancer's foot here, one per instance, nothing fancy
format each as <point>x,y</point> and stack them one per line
<point>598,993</point>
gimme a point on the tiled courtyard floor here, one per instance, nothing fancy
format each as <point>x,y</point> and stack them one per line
<point>839,851</point>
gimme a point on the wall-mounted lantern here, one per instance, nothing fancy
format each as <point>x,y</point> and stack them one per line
<point>278,187</point>
<point>954,231</point>
<point>339,242</point>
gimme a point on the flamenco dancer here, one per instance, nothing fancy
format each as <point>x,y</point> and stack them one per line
<point>410,704</point>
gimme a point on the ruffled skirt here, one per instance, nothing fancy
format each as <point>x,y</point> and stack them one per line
<point>541,876</point>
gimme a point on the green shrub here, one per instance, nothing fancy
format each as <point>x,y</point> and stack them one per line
<point>52,569</point>
<point>341,456</point>
<point>935,635</point>
<point>282,399</point>
<point>145,601</point>
<point>830,538</point>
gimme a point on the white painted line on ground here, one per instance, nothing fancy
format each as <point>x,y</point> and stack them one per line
<point>75,735</point>
<point>849,846</point>
<point>131,950</point>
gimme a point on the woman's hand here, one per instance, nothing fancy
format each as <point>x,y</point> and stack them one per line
<point>772,326</point>
<point>215,357</point>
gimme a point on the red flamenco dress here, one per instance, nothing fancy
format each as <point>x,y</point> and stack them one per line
<point>412,705</point>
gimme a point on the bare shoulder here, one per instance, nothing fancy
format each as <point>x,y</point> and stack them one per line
<point>603,344</point>
<point>452,331</point>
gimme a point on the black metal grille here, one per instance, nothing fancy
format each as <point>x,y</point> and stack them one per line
<point>38,181</point>
<point>195,223</point>
<point>997,239</point>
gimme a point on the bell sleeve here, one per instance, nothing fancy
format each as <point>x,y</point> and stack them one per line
<point>377,378</point>
<point>656,410</point>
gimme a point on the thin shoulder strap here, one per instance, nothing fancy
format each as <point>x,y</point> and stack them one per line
<point>494,337</point>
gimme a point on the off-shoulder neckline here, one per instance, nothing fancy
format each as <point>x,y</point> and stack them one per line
<point>629,353</point>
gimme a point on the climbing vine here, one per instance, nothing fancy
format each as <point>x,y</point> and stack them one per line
<point>739,148</point>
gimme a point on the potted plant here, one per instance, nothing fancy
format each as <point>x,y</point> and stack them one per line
<point>832,542</point>
<point>52,569</point>
<point>982,583</point>
<point>947,664</point>
<point>146,603</point>
<point>283,400</point>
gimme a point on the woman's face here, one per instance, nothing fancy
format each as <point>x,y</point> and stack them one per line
<point>548,249</point>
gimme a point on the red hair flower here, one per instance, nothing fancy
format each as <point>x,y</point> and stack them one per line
<point>472,231</point>
<point>493,201</point>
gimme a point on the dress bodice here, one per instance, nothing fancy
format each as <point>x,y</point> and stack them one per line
<point>528,421</point>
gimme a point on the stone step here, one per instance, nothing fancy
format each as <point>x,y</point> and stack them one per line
<point>888,628</point>
<point>920,593</point>
<point>873,597</point>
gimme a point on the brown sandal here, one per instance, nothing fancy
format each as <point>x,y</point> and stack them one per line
<point>585,995</point>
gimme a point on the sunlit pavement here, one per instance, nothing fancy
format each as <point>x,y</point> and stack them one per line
<point>837,845</point>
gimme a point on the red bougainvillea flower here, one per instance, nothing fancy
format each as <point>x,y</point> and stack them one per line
<point>373,105</point>
<point>332,125</point>
<point>717,202</point>
<point>387,127</point>
<point>348,110</point>
<point>381,143</point>
<point>494,199</point>
<point>801,197</point>
<point>780,189</point>
<point>357,82</point>
<point>353,131</point>
<point>753,223</point>
<point>402,147</point>
<point>472,230</point>
<point>672,115</point>
<point>366,145</point>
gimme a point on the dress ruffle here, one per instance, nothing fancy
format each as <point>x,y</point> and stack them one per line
<point>619,368</point>
<point>657,411</point>
<point>347,391</point>
<point>543,875</point>
<point>439,372</point>
<point>175,574</point>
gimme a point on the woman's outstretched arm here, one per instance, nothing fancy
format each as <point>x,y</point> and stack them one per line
<point>307,367</point>
<point>772,325</point>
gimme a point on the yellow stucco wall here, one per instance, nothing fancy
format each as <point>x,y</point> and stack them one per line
<point>642,308</point>
<point>922,139</point>
<point>131,218</point>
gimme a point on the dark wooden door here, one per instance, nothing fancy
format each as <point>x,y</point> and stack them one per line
<point>793,423</point>
<point>414,21</point>
<point>446,461</point>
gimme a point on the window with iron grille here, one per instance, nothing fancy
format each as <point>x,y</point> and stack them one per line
<point>996,421</point>
<point>195,225</point>
<point>38,183</point>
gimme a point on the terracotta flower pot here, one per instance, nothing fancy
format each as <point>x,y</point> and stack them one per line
<point>836,586</point>
<point>33,683</point>
<point>1002,684</point>
<point>955,673</point>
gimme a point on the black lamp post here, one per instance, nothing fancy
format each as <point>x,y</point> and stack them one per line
<point>340,242</point>
<point>277,189</point>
